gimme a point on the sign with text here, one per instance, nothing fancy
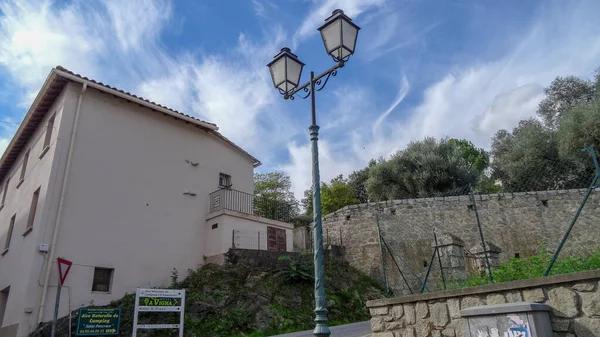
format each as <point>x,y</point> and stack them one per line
<point>98,322</point>
<point>159,300</point>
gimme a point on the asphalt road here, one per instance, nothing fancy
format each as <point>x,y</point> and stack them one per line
<point>362,329</point>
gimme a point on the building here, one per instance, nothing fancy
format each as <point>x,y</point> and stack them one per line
<point>124,188</point>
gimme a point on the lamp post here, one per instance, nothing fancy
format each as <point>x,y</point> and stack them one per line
<point>339,35</point>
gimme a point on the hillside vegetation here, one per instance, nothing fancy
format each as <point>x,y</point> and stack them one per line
<point>237,300</point>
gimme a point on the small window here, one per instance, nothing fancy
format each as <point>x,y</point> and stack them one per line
<point>215,226</point>
<point>9,234</point>
<point>24,167</point>
<point>32,210</point>
<point>224,180</point>
<point>49,129</point>
<point>4,192</point>
<point>102,279</point>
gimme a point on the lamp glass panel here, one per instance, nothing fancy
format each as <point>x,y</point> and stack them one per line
<point>293,72</point>
<point>349,34</point>
<point>331,35</point>
<point>278,71</point>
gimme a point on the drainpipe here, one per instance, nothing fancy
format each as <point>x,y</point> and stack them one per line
<point>58,219</point>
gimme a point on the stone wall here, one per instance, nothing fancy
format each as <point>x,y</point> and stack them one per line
<point>518,223</point>
<point>574,299</point>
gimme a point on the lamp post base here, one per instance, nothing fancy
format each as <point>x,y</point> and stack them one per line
<point>321,328</point>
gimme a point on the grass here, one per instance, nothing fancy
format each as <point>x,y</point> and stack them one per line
<point>531,267</point>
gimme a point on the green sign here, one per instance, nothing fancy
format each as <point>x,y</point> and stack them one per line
<point>98,322</point>
<point>160,301</point>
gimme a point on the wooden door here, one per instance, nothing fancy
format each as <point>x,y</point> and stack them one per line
<point>276,239</point>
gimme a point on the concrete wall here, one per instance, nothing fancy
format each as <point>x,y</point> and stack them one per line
<point>573,298</point>
<point>125,206</point>
<point>514,222</point>
<point>21,267</point>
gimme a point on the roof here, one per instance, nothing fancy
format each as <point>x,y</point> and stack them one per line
<point>53,86</point>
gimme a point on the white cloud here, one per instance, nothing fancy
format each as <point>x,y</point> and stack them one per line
<point>36,35</point>
<point>137,22</point>
<point>470,102</point>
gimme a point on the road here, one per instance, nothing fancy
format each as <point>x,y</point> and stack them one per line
<point>362,329</point>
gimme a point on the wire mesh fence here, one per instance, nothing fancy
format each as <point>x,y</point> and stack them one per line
<point>522,219</point>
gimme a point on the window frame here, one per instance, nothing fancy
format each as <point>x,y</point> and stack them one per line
<point>11,228</point>
<point>4,192</point>
<point>23,168</point>
<point>96,281</point>
<point>48,136</point>
<point>226,178</point>
<point>35,198</point>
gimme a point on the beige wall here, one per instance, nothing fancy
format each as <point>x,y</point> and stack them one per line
<point>125,206</point>
<point>21,267</point>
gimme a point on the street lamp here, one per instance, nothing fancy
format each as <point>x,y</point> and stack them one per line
<point>339,35</point>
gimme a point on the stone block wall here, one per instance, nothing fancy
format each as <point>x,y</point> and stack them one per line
<point>574,299</point>
<point>518,223</point>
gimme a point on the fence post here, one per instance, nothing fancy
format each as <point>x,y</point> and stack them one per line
<point>585,198</point>
<point>485,251</point>
<point>439,258</point>
<point>387,289</point>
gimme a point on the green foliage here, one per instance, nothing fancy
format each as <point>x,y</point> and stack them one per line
<point>561,95</point>
<point>357,180</point>
<point>296,270</point>
<point>274,198</point>
<point>336,195</point>
<point>534,266</point>
<point>580,128</point>
<point>426,168</point>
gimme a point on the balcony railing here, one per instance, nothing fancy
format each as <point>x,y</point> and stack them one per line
<point>246,203</point>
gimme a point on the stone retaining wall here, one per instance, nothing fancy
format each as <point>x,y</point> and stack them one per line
<point>574,299</point>
<point>515,222</point>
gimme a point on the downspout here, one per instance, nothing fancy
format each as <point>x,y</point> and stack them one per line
<point>58,219</point>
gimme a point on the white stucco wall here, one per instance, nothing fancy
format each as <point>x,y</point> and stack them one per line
<point>125,208</point>
<point>21,267</point>
<point>229,221</point>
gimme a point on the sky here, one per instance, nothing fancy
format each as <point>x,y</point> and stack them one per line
<point>450,68</point>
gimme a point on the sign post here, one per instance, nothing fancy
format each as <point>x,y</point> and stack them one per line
<point>63,269</point>
<point>159,300</point>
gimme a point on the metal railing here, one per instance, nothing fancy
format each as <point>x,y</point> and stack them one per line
<point>238,201</point>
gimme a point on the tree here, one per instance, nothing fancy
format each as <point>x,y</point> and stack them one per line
<point>336,195</point>
<point>426,168</point>
<point>561,95</point>
<point>357,179</point>
<point>528,160</point>
<point>580,128</point>
<point>274,198</point>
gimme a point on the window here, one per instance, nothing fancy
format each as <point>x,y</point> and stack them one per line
<point>224,180</point>
<point>3,301</point>
<point>9,234</point>
<point>4,192</point>
<point>102,279</point>
<point>23,168</point>
<point>48,137</point>
<point>32,210</point>
<point>215,226</point>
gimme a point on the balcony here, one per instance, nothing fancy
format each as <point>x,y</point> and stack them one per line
<point>238,201</point>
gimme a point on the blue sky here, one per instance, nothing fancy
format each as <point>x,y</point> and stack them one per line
<point>457,68</point>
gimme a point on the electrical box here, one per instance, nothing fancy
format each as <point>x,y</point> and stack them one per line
<point>43,247</point>
<point>511,319</point>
